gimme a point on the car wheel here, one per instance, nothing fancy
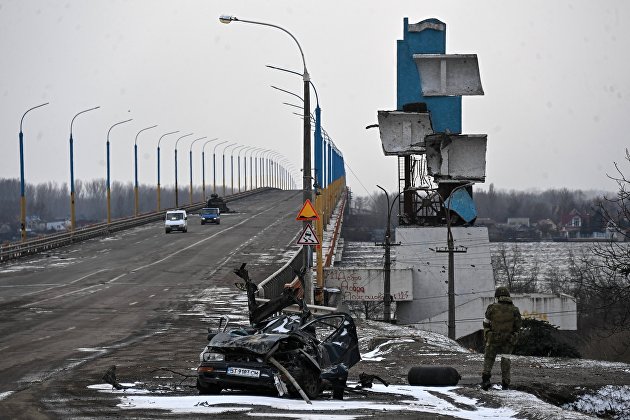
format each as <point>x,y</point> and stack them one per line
<point>203,223</point>
<point>168,230</point>
<point>310,383</point>
<point>185,230</point>
<point>208,389</point>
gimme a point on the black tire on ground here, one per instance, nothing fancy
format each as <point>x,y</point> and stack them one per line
<point>310,383</point>
<point>208,389</point>
<point>168,230</point>
<point>185,230</point>
<point>203,223</point>
<point>433,376</point>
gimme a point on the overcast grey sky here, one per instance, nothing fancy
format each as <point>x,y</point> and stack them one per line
<point>555,74</point>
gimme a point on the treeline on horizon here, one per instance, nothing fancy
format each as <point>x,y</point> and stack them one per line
<point>499,205</point>
<point>50,201</point>
<point>552,204</point>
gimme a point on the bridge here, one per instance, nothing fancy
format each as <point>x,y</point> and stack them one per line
<point>68,306</point>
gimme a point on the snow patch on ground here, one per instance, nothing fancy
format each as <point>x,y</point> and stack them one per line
<point>377,354</point>
<point>436,400</point>
<point>610,400</point>
<point>4,395</point>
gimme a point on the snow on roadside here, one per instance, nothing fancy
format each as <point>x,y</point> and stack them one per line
<point>436,400</point>
<point>377,354</point>
<point>610,400</point>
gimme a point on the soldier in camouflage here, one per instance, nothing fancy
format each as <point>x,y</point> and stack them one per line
<point>500,327</point>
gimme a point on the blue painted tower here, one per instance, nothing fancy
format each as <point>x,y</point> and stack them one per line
<point>426,37</point>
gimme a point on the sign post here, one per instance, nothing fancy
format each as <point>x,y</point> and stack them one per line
<point>308,238</point>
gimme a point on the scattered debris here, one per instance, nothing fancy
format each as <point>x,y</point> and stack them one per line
<point>110,378</point>
<point>366,380</point>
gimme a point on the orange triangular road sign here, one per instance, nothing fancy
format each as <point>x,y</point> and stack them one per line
<point>308,212</point>
<point>308,236</point>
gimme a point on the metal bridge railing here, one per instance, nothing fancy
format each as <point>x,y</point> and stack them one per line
<point>272,286</point>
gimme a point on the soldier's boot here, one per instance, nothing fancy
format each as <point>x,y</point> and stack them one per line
<point>505,373</point>
<point>485,381</point>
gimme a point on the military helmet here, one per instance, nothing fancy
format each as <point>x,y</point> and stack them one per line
<point>501,291</point>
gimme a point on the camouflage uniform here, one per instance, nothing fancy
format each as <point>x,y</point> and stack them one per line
<point>503,320</point>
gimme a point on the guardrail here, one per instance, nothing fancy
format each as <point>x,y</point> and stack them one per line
<point>272,286</point>
<point>17,250</point>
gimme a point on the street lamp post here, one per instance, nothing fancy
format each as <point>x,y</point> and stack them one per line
<point>238,167</point>
<point>223,165</point>
<point>252,174</point>
<point>203,167</point>
<point>306,181</point>
<point>72,211</point>
<point>109,194</point>
<point>214,166</point>
<point>176,189</point>
<point>257,160</point>
<point>190,162</point>
<point>266,167</point>
<point>245,150</point>
<point>159,198</point>
<point>22,186</point>
<point>135,159</point>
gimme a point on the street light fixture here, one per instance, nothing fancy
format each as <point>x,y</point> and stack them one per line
<point>203,167</point>
<point>320,161</point>
<point>22,186</point>
<point>257,160</point>
<point>253,167</point>
<point>176,190</point>
<point>190,162</point>
<point>223,165</point>
<point>214,166</point>
<point>238,167</point>
<point>306,182</point>
<point>72,212</point>
<point>135,159</point>
<point>109,194</point>
<point>247,149</point>
<point>159,198</point>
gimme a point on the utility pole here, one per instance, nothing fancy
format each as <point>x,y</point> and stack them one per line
<point>451,249</point>
<point>387,266</point>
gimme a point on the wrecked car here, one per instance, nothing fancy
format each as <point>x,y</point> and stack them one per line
<point>295,354</point>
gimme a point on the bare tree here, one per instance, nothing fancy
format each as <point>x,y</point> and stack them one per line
<point>509,268</point>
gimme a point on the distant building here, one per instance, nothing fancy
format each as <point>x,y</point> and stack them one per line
<point>58,225</point>
<point>518,221</point>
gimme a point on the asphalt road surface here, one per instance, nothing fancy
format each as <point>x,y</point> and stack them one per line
<point>80,303</point>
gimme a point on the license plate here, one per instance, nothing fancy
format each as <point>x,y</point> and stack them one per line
<point>247,373</point>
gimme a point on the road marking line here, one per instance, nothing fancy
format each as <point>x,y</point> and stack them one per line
<point>59,296</point>
<point>151,296</point>
<point>66,284</point>
<point>132,303</point>
<point>229,257</point>
<point>202,240</point>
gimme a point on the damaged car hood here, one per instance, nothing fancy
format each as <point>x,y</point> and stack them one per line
<point>256,343</point>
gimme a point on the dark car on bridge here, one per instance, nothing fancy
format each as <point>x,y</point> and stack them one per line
<point>295,354</point>
<point>210,215</point>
